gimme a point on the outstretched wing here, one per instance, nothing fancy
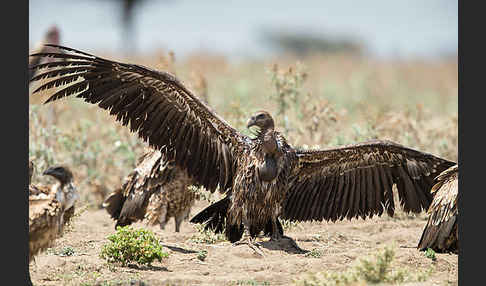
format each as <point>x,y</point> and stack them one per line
<point>154,104</point>
<point>357,180</point>
<point>440,233</point>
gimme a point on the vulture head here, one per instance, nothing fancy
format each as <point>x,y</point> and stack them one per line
<point>66,193</point>
<point>61,173</point>
<point>261,119</point>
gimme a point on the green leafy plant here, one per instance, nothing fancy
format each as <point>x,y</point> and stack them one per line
<point>430,253</point>
<point>368,271</point>
<point>67,251</point>
<point>129,245</point>
<point>316,253</point>
<point>201,255</point>
<point>379,270</point>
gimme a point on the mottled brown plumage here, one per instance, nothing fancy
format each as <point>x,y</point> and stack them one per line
<point>173,199</point>
<point>441,232</point>
<point>264,178</point>
<point>31,171</point>
<point>50,208</point>
<point>156,190</point>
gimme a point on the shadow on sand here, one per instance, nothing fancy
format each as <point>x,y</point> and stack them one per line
<point>179,249</point>
<point>286,244</point>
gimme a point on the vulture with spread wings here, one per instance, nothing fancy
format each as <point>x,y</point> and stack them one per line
<point>264,178</point>
<point>441,232</point>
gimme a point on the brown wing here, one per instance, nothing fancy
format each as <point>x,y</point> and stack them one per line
<point>129,203</point>
<point>357,180</point>
<point>441,233</point>
<point>157,105</point>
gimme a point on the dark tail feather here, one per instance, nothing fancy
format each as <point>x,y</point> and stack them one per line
<point>213,215</point>
<point>214,218</point>
<point>127,210</point>
<point>114,203</point>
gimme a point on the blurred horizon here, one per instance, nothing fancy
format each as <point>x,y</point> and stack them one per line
<point>253,30</point>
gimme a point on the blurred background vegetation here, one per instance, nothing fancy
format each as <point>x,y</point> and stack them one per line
<point>324,89</point>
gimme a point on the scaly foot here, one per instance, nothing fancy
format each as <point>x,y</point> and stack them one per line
<point>255,246</point>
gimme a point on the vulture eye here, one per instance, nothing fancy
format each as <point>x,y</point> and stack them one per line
<point>260,116</point>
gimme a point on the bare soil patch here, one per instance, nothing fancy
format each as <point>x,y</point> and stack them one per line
<point>339,244</point>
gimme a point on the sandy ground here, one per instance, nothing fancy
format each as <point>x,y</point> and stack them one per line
<point>341,245</point>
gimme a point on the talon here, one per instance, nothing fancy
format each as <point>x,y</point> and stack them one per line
<point>257,249</point>
<point>255,246</point>
<point>239,243</point>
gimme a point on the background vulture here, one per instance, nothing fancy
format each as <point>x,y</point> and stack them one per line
<point>50,208</point>
<point>156,189</point>
<point>441,233</point>
<point>52,36</point>
<point>264,178</point>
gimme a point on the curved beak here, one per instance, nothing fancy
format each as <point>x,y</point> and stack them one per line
<point>50,171</point>
<point>251,122</point>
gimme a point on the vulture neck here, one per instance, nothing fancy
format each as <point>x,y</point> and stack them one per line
<point>267,137</point>
<point>65,182</point>
<point>66,194</point>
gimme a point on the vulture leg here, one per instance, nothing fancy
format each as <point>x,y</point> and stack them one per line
<point>276,235</point>
<point>178,222</point>
<point>255,246</point>
<point>250,241</point>
<point>179,218</point>
<point>163,218</point>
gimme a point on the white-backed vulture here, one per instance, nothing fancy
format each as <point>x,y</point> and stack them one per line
<point>156,190</point>
<point>263,178</point>
<point>50,208</point>
<point>441,232</point>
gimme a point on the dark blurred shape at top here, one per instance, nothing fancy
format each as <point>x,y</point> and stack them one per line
<point>304,44</point>
<point>128,14</point>
<point>52,36</point>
